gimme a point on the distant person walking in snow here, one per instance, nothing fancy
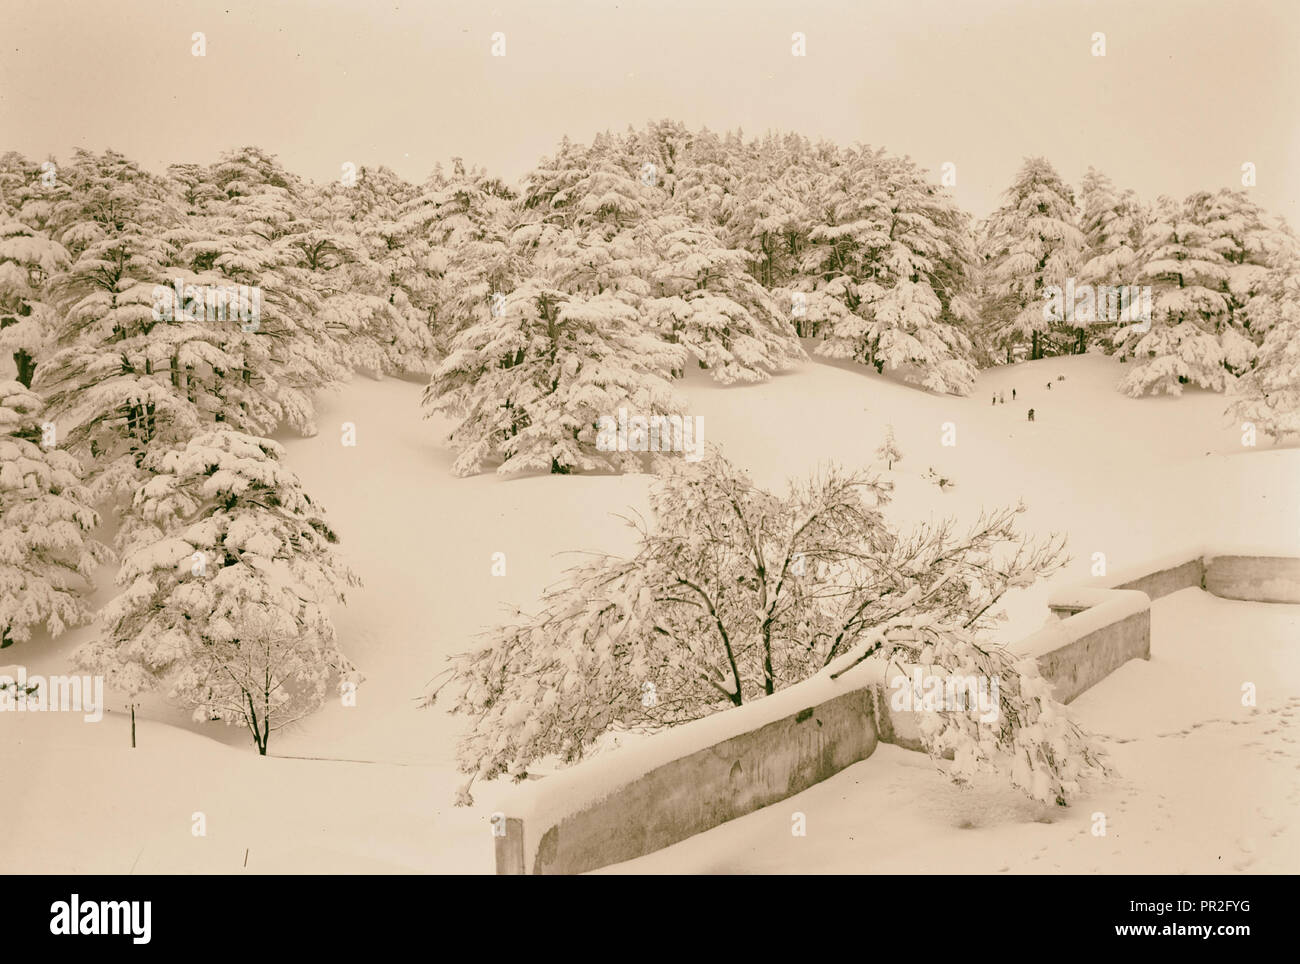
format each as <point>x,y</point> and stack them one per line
<point>1031,415</point>
<point>1013,394</point>
<point>995,398</point>
<point>1049,386</point>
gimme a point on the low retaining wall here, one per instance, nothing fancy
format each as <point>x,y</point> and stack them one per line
<point>1251,578</point>
<point>673,785</point>
<point>1080,651</point>
<point>1103,629</point>
<point>1272,579</point>
<point>641,798</point>
<point>1186,575</point>
<point>1155,579</point>
<point>711,786</point>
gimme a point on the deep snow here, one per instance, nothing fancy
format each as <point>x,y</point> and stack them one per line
<point>1202,783</point>
<point>1133,478</point>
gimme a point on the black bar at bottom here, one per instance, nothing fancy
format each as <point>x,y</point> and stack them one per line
<point>207,914</point>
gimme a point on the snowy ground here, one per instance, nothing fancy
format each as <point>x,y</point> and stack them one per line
<point>1131,478</point>
<point>1203,785</point>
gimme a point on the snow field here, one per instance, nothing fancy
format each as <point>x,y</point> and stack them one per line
<point>1193,769</point>
<point>1133,478</point>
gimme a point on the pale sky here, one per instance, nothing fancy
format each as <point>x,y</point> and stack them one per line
<point>1187,92</point>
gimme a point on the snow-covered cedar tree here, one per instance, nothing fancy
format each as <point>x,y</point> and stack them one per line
<point>735,592</point>
<point>527,387</point>
<point>27,262</point>
<point>360,306</point>
<point>1031,242</point>
<point>227,578</point>
<point>1189,305</point>
<point>397,258</point>
<point>104,196</point>
<point>383,337</point>
<point>697,173</point>
<point>590,227</point>
<point>130,378</point>
<point>259,234</point>
<point>888,451</point>
<point>47,553</point>
<point>380,298</point>
<point>894,254</point>
<point>1249,247</point>
<point>1268,396</point>
<point>1112,223</point>
<point>243,344</point>
<point>710,305</point>
<point>768,214</point>
<point>456,232</point>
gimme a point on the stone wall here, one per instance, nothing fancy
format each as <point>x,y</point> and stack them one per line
<point>711,786</point>
<point>1273,579</point>
<point>670,786</point>
<point>1078,652</point>
<point>665,788</point>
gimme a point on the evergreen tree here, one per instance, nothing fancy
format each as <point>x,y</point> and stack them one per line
<point>48,554</point>
<point>1032,242</point>
<point>529,387</point>
<point>261,236</point>
<point>769,218</point>
<point>28,260</point>
<point>1112,223</point>
<point>108,386</point>
<point>1188,274</point>
<point>1236,229</point>
<point>1268,395</point>
<point>460,228</point>
<point>709,304</point>
<point>226,579</point>
<point>890,251</point>
<point>384,292</point>
<point>888,451</point>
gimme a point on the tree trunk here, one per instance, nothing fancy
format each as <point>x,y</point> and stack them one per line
<point>769,676</point>
<point>148,408</point>
<point>260,735</point>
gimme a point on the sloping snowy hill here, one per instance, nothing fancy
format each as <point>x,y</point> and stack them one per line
<point>1131,478</point>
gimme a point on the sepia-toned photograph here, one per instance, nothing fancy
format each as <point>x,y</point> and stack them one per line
<point>845,437</point>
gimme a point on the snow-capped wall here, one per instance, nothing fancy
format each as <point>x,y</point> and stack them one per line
<point>633,801</point>
<point>1078,652</point>
<point>1155,577</point>
<point>639,799</point>
<point>670,786</point>
<point>1254,577</point>
<point>1271,579</point>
